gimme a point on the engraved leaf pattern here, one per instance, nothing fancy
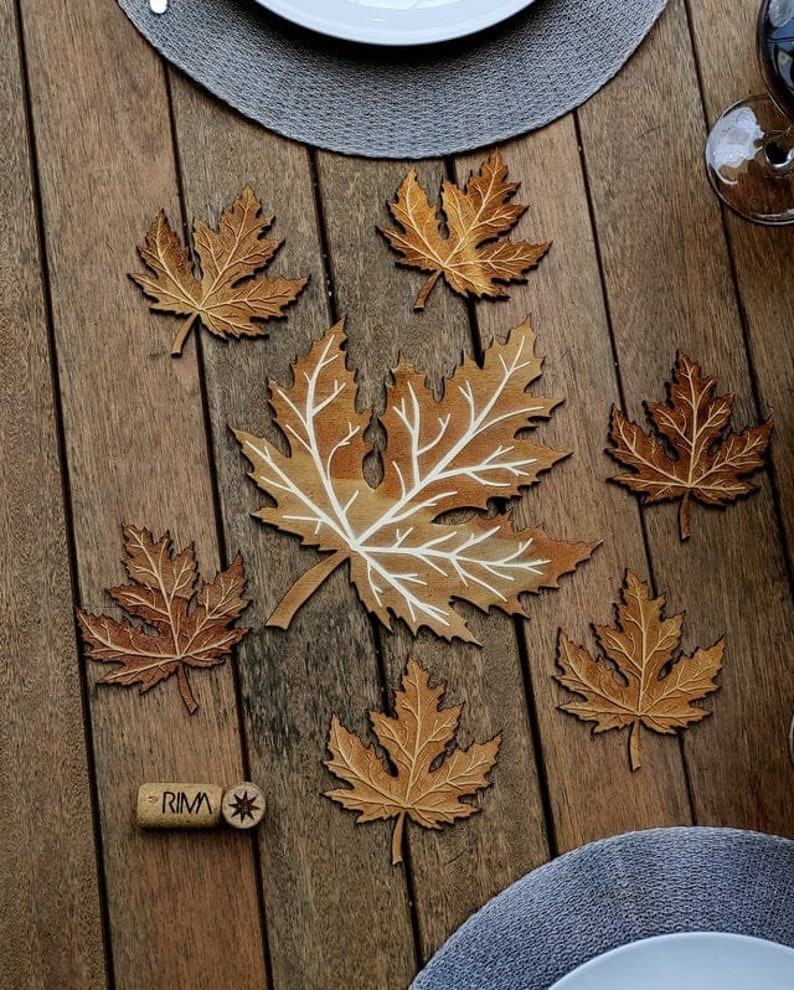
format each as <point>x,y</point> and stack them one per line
<point>473,254</point>
<point>690,453</point>
<point>229,298</point>
<point>182,622</point>
<point>416,737</point>
<point>456,452</point>
<point>641,681</point>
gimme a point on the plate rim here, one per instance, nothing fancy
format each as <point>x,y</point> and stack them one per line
<point>427,32</point>
<point>685,936</point>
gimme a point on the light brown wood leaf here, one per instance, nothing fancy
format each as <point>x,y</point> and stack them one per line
<point>455,452</point>
<point>473,255</point>
<point>690,454</point>
<point>229,298</point>
<point>182,623</point>
<point>642,681</point>
<point>415,738</point>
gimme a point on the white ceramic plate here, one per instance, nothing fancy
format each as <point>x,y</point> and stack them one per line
<point>688,961</point>
<point>396,22</point>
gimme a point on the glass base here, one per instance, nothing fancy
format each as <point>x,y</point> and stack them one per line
<point>750,161</point>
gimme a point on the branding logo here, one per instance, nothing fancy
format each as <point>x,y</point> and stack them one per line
<point>178,803</point>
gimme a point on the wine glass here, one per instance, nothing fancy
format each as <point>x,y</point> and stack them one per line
<point>750,149</point>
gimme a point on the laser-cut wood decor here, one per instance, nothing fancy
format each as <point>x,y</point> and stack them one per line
<point>230,299</point>
<point>473,254</point>
<point>416,737</point>
<point>690,454</point>
<point>182,622</point>
<point>453,453</point>
<point>640,681</point>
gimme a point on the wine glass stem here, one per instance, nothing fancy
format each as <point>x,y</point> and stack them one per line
<point>779,149</point>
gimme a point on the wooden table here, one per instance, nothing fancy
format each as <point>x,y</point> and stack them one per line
<point>100,425</point>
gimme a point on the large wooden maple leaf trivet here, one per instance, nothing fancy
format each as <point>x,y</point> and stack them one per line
<point>429,778</point>
<point>470,254</point>
<point>457,452</point>
<point>690,454</point>
<point>183,623</point>
<point>641,682</point>
<point>230,299</point>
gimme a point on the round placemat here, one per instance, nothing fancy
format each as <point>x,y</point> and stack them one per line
<point>615,891</point>
<point>406,102</point>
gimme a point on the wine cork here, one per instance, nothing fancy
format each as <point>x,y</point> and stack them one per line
<point>168,805</point>
<point>243,805</point>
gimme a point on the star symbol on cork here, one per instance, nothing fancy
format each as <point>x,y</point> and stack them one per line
<point>243,805</point>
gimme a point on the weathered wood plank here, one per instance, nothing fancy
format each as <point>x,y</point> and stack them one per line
<point>669,286</point>
<point>457,869</point>
<point>592,791</point>
<point>50,917</point>
<point>337,912</point>
<point>137,453</point>
<point>762,255</point>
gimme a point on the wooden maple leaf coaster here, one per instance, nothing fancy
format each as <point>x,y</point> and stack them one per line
<point>182,623</point>
<point>230,299</point>
<point>641,681</point>
<point>470,256</point>
<point>415,738</point>
<point>455,452</point>
<point>690,453</point>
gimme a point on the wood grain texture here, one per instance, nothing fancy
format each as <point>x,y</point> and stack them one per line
<point>50,920</point>
<point>669,286</point>
<point>456,870</point>
<point>640,266</point>
<point>137,453</point>
<point>590,794</point>
<point>337,912</point>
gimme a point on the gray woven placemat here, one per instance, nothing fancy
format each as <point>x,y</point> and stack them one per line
<point>400,103</point>
<point>616,891</point>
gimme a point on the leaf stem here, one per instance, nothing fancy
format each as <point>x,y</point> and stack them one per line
<point>304,587</point>
<point>426,289</point>
<point>181,335</point>
<point>683,517</point>
<point>634,745</point>
<point>185,691</point>
<point>397,840</point>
